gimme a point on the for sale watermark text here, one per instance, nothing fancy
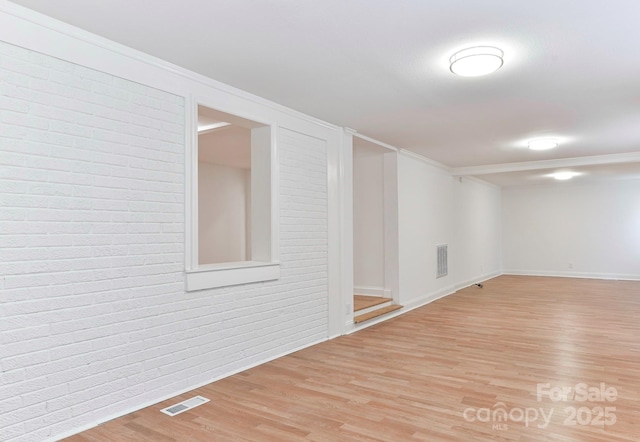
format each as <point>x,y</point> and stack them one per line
<point>594,411</point>
<point>594,407</point>
<point>580,393</point>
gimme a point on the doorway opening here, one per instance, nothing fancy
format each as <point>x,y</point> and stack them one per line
<point>375,233</point>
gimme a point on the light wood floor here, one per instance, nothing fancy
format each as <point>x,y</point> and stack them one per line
<point>413,377</point>
<point>361,302</point>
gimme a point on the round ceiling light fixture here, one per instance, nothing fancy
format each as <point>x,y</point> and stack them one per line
<point>476,61</point>
<point>563,176</point>
<point>543,144</point>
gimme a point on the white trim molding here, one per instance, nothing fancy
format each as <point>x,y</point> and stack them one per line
<point>374,141</point>
<point>461,178</point>
<point>207,277</point>
<point>478,279</point>
<point>338,264</point>
<point>422,158</point>
<point>265,203</point>
<point>580,275</point>
<point>346,228</point>
<point>618,158</point>
<point>373,291</point>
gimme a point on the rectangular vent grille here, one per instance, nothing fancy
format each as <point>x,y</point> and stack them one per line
<point>185,405</point>
<point>443,264</point>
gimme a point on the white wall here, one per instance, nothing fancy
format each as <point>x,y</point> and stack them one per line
<point>436,208</point>
<point>425,220</point>
<point>573,229</point>
<point>368,219</point>
<point>476,254</point>
<point>95,321</point>
<point>223,202</point>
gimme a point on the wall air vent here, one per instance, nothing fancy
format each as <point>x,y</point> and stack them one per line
<point>184,406</point>
<point>442,259</point>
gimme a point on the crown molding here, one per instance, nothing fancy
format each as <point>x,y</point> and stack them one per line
<point>376,142</point>
<point>405,152</point>
<point>430,162</point>
<point>631,157</point>
<point>476,180</point>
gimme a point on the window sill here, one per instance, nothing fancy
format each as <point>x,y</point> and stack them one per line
<point>222,275</point>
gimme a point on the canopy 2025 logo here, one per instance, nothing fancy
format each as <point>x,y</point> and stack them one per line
<point>593,412</point>
<point>588,414</point>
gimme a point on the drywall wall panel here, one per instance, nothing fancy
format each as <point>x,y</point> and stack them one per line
<point>573,229</point>
<point>477,251</point>
<point>223,197</point>
<point>426,219</point>
<point>368,220</point>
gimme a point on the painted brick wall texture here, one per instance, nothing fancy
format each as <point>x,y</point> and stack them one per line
<point>94,319</point>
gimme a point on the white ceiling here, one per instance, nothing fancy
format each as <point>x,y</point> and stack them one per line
<point>571,68</point>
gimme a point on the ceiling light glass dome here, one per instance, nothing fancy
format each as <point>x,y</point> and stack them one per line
<point>543,144</point>
<point>476,61</point>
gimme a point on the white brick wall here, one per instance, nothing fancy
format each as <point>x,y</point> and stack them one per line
<point>94,319</point>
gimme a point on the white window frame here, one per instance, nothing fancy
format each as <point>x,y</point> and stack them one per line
<point>208,276</point>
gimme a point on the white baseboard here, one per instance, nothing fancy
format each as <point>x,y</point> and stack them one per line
<point>372,291</point>
<point>352,327</point>
<point>478,279</point>
<point>408,306</point>
<point>177,393</point>
<point>429,298</point>
<point>568,274</point>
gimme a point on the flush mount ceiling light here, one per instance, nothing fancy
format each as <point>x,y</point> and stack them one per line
<point>476,61</point>
<point>543,144</point>
<point>563,176</point>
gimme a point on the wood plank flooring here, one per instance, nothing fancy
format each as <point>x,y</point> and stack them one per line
<point>375,313</point>
<point>436,374</point>
<point>361,302</point>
